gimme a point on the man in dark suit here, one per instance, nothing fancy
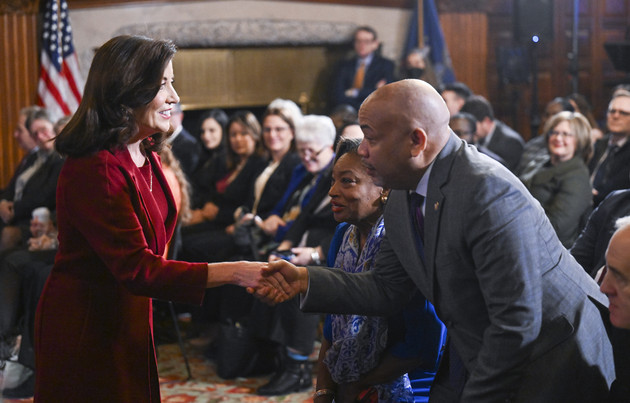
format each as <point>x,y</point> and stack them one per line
<point>610,165</point>
<point>357,77</point>
<point>616,286</point>
<point>465,232</point>
<point>184,145</point>
<point>34,187</point>
<point>493,134</point>
<point>590,247</point>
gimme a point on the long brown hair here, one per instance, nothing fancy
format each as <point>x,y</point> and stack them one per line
<point>125,75</point>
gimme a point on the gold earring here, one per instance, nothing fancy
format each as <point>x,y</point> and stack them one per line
<point>384,196</point>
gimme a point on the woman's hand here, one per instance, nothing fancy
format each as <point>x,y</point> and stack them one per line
<point>196,216</point>
<point>210,211</point>
<point>306,256</point>
<point>271,224</point>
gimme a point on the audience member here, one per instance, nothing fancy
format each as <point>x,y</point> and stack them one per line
<point>23,274</point>
<point>185,146</point>
<point>581,104</point>
<point>93,332</point>
<point>61,123</point>
<point>212,162</point>
<point>357,77</point>
<point>561,183</point>
<point>590,247</point>
<point>535,151</point>
<point>34,187</point>
<point>364,353</point>
<point>609,166</point>
<point>455,95</point>
<point>464,125</point>
<point>203,239</point>
<point>493,134</point>
<point>305,230</point>
<point>343,114</point>
<point>26,143</point>
<point>515,304</point>
<point>350,130</point>
<point>615,285</point>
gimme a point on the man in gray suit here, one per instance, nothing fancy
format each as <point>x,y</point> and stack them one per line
<point>482,251</point>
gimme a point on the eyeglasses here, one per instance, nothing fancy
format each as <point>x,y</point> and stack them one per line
<point>619,111</point>
<point>557,133</point>
<point>305,152</point>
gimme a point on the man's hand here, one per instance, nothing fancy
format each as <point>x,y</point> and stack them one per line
<point>285,282</point>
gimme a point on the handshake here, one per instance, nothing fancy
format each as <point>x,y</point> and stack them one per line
<point>273,282</point>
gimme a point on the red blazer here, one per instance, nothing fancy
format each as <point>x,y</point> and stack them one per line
<point>93,328</point>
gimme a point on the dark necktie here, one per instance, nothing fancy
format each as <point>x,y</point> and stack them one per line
<point>415,203</point>
<point>415,207</point>
<point>602,172</point>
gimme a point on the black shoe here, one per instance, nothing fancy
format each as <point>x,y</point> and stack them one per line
<point>296,377</point>
<point>23,391</point>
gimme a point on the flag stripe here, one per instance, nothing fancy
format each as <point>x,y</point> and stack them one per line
<point>60,86</point>
<point>48,87</point>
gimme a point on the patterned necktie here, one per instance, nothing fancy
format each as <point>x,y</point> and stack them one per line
<point>416,201</point>
<point>359,76</point>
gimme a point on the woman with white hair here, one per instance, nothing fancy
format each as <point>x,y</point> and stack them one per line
<point>304,226</point>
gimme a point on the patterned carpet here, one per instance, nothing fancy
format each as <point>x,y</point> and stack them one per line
<point>206,386</point>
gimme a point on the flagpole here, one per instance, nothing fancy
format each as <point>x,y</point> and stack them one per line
<point>420,24</point>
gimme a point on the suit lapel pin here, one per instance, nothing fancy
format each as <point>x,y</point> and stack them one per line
<point>436,206</point>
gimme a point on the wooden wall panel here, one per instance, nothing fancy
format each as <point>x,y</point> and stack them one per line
<point>19,65</point>
<point>467,39</point>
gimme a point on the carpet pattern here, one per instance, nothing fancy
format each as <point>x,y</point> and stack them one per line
<point>206,386</point>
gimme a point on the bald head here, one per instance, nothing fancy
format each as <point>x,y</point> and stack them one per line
<point>616,282</point>
<point>411,118</point>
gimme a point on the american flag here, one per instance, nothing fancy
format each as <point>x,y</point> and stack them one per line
<point>60,83</point>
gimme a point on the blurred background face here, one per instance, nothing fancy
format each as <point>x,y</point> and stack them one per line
<point>241,141</point>
<point>43,131</point>
<point>277,134</point>
<point>562,142</point>
<point>211,134</point>
<point>352,132</point>
<point>364,43</point>
<point>462,129</point>
<point>22,135</point>
<point>354,195</point>
<point>453,102</point>
<point>314,156</point>
<point>618,116</point>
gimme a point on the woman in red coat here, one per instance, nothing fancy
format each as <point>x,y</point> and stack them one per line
<point>115,211</point>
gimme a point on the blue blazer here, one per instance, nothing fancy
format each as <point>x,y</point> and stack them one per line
<point>380,68</point>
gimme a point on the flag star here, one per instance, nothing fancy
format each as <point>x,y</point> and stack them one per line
<point>54,27</point>
<point>68,28</point>
<point>46,35</point>
<point>46,25</point>
<point>53,37</point>
<point>47,15</point>
<point>66,48</point>
<point>54,6</point>
<point>63,14</point>
<point>64,5</point>
<point>53,47</point>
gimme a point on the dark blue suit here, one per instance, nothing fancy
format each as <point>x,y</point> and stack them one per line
<point>380,68</point>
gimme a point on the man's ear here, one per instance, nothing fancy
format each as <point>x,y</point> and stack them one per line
<point>418,141</point>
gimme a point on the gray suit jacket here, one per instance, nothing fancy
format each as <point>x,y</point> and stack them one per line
<point>513,299</point>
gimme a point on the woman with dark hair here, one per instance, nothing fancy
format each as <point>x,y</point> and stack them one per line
<point>115,214</point>
<point>561,182</point>
<point>204,238</point>
<point>212,164</point>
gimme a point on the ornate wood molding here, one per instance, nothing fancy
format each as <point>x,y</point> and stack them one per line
<point>369,3</point>
<point>18,6</point>
<point>463,6</point>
